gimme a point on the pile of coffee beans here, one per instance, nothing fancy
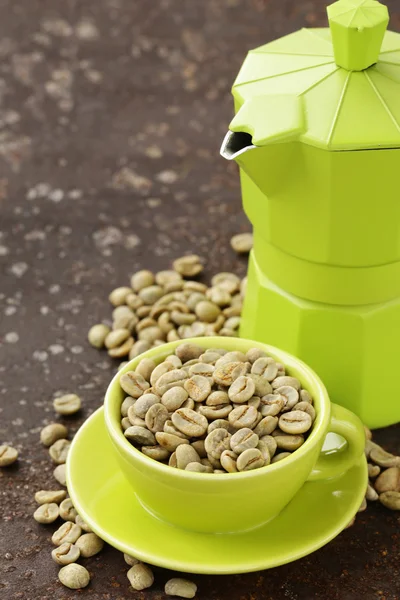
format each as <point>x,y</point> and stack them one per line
<point>214,411</point>
<point>164,307</point>
<point>220,315</point>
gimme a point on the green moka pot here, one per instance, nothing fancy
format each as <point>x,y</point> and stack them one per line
<point>317,138</point>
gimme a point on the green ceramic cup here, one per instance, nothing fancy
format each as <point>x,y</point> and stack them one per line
<point>237,501</point>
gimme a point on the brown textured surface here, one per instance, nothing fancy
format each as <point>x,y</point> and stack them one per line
<point>111,117</point>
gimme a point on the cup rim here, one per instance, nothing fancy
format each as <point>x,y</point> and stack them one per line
<point>294,365</point>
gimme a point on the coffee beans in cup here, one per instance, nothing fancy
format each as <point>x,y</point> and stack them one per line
<point>214,411</point>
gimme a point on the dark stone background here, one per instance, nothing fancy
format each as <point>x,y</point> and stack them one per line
<point>111,117</point>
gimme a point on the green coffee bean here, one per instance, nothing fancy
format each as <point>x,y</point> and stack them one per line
<point>189,422</point>
<point>285,381</point>
<point>196,467</point>
<point>155,418</point>
<point>150,295</point>
<point>181,588</point>
<point>226,281</point>
<point>170,441</point>
<point>217,398</point>
<point>250,459</point>
<point>216,442</point>
<point>60,475</point>
<point>118,296</point>
<point>306,407</point>
<point>169,380</point>
<point>122,350</point>
<point>371,495</point>
<point>89,544</point>
<point>138,348</point>
<point>220,411</point>
<point>125,406</point>
<point>65,554</point>
<point>140,435</point>
<point>97,335</point>
<point>140,577</point>
<point>142,405</point>
<point>289,441</point>
<point>174,398</point>
<point>295,422</point>
<point>186,454</point>
<point>142,279</point>
<point>262,385</point>
<point>243,439</point>
<point>74,576</point>
<point>243,416</point>
<point>156,452</point>
<point>388,481</point>
<point>48,497</point>
<point>188,266</point>
<point>390,500</point>
<point>198,387</point>
<point>116,338</point>
<point>8,455</point>
<point>242,243</point>
<point>241,390</point>
<point>373,470</point>
<point>228,461</point>
<point>134,385</point>
<point>228,372</point>
<point>269,442</point>
<point>46,513</point>
<point>68,532</point>
<point>59,451</point>
<point>265,367</point>
<point>68,404</point>
<point>53,432</point>
<point>67,510</point>
<point>383,458</point>
<point>82,524</point>
<point>131,560</point>
<point>280,456</point>
<point>289,394</point>
<point>254,353</point>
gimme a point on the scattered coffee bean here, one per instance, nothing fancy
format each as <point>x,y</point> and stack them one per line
<point>140,577</point>
<point>384,459</point>
<point>89,544</point>
<point>65,554</point>
<point>74,577</point>
<point>46,513</point>
<point>48,497</point>
<point>390,500</point>
<point>8,456</point>
<point>82,524</point>
<point>67,405</point>
<point>131,560</point>
<point>53,432</point>
<point>59,451</point>
<point>182,588</point>
<point>371,495</point>
<point>388,481</point>
<point>188,266</point>
<point>373,471</point>
<point>60,474</point>
<point>97,335</point>
<point>242,243</point>
<point>68,532</point>
<point>67,510</point>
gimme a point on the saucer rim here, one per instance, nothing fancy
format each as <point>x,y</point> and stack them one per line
<point>202,568</point>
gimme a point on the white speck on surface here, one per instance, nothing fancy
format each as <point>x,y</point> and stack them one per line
<point>56,195</point>
<point>131,241</point>
<point>75,194</point>
<point>86,30</point>
<point>168,176</point>
<point>44,310</point>
<point>56,349</point>
<point>3,251</point>
<point>35,235</point>
<point>153,202</point>
<point>40,355</point>
<point>12,337</point>
<point>57,27</point>
<point>65,230</point>
<point>55,288</point>
<point>108,236</point>
<point>125,179</point>
<point>23,402</point>
<point>10,310</point>
<point>19,269</point>
<point>76,349</point>
<point>93,76</point>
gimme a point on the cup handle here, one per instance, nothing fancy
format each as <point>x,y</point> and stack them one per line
<point>349,426</point>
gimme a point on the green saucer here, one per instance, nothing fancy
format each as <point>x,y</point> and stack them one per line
<point>105,499</point>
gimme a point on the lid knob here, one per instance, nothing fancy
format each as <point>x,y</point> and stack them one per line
<point>358,28</point>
